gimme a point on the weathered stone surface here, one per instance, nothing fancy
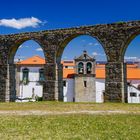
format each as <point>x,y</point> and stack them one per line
<point>84,79</point>
<point>115,86</point>
<point>113,37</point>
<point>83,94</point>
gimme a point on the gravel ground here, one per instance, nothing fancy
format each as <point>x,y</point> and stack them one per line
<point>38,112</point>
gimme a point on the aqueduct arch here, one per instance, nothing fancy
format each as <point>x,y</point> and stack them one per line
<point>113,37</point>
<point>11,66</point>
<point>60,51</point>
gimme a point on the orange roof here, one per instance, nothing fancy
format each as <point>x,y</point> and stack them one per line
<point>100,73</point>
<point>67,73</point>
<point>100,65</point>
<point>132,65</point>
<point>32,60</point>
<point>133,72</point>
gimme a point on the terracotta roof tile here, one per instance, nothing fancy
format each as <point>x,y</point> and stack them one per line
<point>32,60</point>
<point>133,72</point>
<point>68,72</point>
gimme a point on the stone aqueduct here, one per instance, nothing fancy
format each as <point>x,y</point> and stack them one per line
<point>114,38</point>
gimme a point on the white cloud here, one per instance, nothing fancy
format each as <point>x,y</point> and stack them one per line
<point>98,54</point>
<point>21,23</point>
<point>83,40</point>
<point>96,44</point>
<point>22,46</point>
<point>131,58</point>
<point>90,44</point>
<point>93,44</point>
<point>65,57</point>
<point>19,58</point>
<point>94,53</point>
<point>39,49</point>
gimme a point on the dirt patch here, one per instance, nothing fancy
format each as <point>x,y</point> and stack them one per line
<point>38,112</point>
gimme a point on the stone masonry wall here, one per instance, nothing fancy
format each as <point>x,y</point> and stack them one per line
<point>113,37</point>
<point>85,94</point>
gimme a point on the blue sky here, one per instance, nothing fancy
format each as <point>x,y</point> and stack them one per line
<point>52,14</point>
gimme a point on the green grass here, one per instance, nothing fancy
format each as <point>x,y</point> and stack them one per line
<point>70,127</point>
<point>61,106</point>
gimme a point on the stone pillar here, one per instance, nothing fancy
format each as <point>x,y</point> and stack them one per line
<point>50,84</point>
<point>3,82</point>
<point>59,82</point>
<point>17,75</point>
<point>53,87</point>
<point>115,86</point>
<point>7,82</point>
<point>12,82</point>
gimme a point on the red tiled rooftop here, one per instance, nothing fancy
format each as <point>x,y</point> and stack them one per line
<point>133,72</point>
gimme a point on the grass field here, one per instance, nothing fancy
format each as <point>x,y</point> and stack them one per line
<point>72,126</point>
<point>61,106</point>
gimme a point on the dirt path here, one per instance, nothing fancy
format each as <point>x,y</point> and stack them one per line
<point>38,112</point>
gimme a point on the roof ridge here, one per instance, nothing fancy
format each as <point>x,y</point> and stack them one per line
<point>30,59</point>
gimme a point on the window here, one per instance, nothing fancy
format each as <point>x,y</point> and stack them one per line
<point>133,94</point>
<point>41,75</point>
<point>89,68</point>
<point>68,67</point>
<point>25,76</point>
<point>85,83</point>
<point>64,83</point>
<point>80,68</point>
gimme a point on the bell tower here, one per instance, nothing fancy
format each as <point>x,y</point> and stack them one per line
<point>85,78</point>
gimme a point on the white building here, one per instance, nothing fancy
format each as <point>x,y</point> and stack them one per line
<point>69,82</point>
<point>30,76</point>
<point>133,79</point>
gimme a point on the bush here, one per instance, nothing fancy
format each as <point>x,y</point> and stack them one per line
<point>38,98</point>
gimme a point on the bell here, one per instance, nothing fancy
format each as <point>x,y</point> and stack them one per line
<point>81,70</point>
<point>89,69</point>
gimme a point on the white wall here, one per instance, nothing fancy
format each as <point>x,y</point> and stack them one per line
<point>68,91</point>
<point>133,99</point>
<point>27,90</point>
<point>100,87</point>
<point>33,73</point>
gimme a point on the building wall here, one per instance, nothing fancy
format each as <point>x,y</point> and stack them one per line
<point>100,87</point>
<point>93,92</point>
<point>68,90</point>
<point>133,99</point>
<point>33,73</point>
<point>33,86</point>
<point>85,94</point>
<point>28,90</point>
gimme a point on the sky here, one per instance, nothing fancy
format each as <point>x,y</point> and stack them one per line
<point>35,15</point>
